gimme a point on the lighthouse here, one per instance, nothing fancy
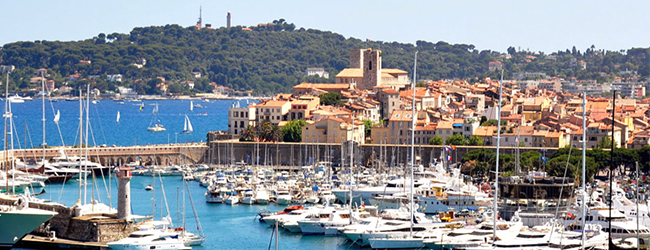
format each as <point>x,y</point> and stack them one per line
<point>124,193</point>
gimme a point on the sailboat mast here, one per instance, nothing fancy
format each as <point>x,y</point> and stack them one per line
<point>611,168</point>
<point>43,117</point>
<point>415,68</point>
<point>584,163</point>
<point>81,178</point>
<point>86,146</point>
<point>496,170</point>
<point>6,152</point>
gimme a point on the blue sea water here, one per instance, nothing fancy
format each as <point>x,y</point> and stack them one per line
<point>225,226</point>
<point>132,128</point>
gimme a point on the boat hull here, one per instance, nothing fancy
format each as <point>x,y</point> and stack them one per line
<point>14,225</point>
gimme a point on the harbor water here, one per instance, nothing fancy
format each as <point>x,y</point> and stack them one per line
<point>225,226</point>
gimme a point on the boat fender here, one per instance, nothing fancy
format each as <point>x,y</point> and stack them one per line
<point>22,203</point>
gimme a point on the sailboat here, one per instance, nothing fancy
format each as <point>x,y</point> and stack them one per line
<point>118,117</point>
<point>154,126</point>
<point>191,105</point>
<point>187,127</point>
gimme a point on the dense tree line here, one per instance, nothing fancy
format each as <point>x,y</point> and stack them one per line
<point>273,58</point>
<point>479,162</point>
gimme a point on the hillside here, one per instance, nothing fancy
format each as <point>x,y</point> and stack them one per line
<point>273,58</point>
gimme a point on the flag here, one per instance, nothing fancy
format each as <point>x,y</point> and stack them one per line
<point>543,159</point>
<point>449,158</point>
<point>453,147</point>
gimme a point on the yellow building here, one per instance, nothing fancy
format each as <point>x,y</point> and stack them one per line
<point>533,107</point>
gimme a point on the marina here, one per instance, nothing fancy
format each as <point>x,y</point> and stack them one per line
<point>232,200</point>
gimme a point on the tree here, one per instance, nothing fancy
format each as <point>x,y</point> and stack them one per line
<point>475,141</point>
<point>248,134</point>
<point>331,98</point>
<point>292,131</point>
<point>511,50</point>
<point>494,122</point>
<point>436,140</point>
<point>456,139</point>
<point>605,142</point>
<point>367,125</point>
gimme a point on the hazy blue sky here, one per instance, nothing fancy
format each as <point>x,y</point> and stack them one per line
<point>547,26</point>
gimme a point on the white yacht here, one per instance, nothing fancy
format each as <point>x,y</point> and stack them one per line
<point>282,197</point>
<point>149,239</point>
<point>216,194</point>
<point>622,226</point>
<point>18,221</point>
<point>248,197</point>
<point>261,195</point>
<point>326,221</point>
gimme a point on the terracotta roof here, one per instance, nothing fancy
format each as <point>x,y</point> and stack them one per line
<point>324,86</point>
<point>445,125</point>
<point>394,71</point>
<point>272,103</point>
<point>350,72</point>
<point>401,115</point>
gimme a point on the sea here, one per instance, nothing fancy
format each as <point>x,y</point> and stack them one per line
<point>225,226</point>
<point>104,128</point>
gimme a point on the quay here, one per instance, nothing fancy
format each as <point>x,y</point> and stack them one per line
<point>31,241</point>
<point>280,155</point>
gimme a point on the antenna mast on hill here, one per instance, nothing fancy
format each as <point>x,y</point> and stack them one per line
<point>199,23</point>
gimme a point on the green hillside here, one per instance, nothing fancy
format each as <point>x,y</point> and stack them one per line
<point>273,58</point>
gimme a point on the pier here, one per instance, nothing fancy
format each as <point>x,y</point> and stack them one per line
<point>166,154</point>
<point>282,155</point>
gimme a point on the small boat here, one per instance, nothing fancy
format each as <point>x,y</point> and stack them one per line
<point>148,188</point>
<point>154,125</point>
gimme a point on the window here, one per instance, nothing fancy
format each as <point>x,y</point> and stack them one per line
<point>241,124</point>
<point>235,124</point>
<point>369,65</point>
<point>242,114</point>
<point>235,131</point>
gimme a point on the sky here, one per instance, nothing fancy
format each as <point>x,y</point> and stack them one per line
<point>546,26</point>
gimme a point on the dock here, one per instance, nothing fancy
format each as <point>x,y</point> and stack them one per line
<point>41,242</point>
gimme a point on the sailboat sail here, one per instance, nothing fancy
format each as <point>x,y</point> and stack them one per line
<point>57,117</point>
<point>187,127</point>
<point>191,105</point>
<point>118,117</point>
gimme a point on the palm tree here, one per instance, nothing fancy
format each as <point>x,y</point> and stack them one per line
<point>248,134</point>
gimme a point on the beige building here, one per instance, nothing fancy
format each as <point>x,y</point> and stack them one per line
<point>273,111</point>
<point>333,130</point>
<point>301,108</point>
<point>240,117</point>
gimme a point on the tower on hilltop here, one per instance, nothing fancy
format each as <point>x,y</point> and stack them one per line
<point>228,20</point>
<point>199,23</point>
